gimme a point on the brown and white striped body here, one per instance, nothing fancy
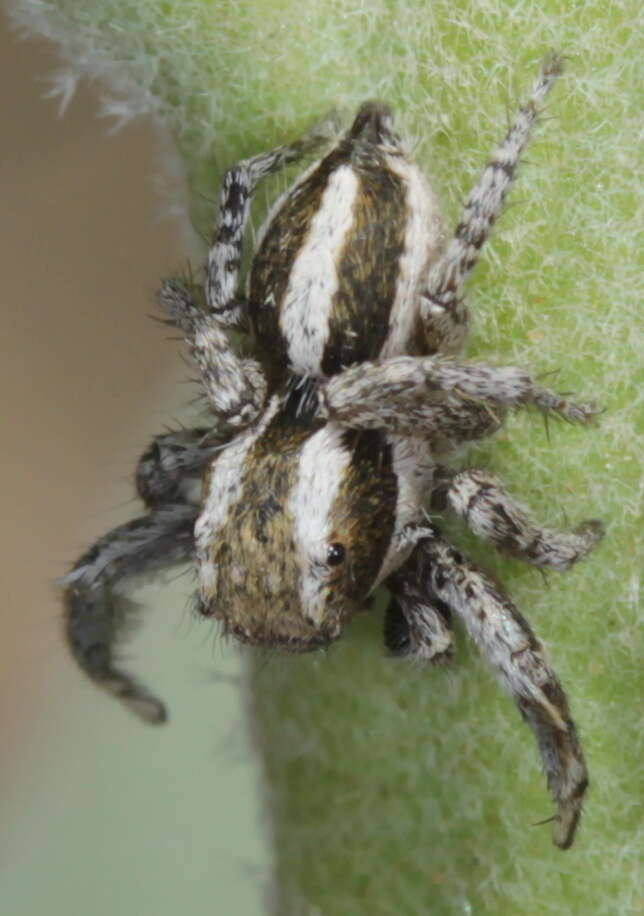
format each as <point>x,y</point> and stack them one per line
<point>281,499</point>
<point>335,280</point>
<point>342,258</point>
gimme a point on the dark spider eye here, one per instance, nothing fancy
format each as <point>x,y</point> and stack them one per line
<point>335,554</point>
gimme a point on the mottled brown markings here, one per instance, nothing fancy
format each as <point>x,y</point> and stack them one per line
<point>257,599</point>
<point>368,267</point>
<point>266,510</point>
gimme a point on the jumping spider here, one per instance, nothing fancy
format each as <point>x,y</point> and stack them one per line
<point>323,457</point>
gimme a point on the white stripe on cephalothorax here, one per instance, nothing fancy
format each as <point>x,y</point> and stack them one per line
<point>224,489</point>
<point>308,300</point>
<point>323,463</point>
<point>424,240</point>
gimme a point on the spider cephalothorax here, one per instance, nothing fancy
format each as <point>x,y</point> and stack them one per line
<point>323,457</point>
<point>293,551</point>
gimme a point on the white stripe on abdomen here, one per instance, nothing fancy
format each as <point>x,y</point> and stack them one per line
<point>424,240</point>
<point>308,302</point>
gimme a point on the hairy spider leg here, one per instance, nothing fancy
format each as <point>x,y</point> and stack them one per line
<point>406,394</point>
<point>482,501</point>
<point>235,387</point>
<point>238,186</point>
<point>507,641</point>
<point>442,309</point>
<point>96,615</point>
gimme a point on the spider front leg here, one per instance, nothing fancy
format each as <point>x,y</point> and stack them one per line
<point>509,644</point>
<point>96,615</point>
<point>416,396</point>
<point>238,186</point>
<point>441,305</point>
<point>482,501</point>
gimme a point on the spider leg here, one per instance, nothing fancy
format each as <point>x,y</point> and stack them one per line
<point>507,641</point>
<point>441,305</point>
<point>417,623</point>
<point>96,615</point>
<point>406,394</point>
<point>173,461</point>
<point>238,186</point>
<point>482,501</point>
<point>456,420</point>
<point>235,387</point>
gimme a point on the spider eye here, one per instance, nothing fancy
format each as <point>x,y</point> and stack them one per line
<point>335,554</point>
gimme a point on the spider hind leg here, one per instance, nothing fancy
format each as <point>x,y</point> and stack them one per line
<point>506,639</point>
<point>97,616</point>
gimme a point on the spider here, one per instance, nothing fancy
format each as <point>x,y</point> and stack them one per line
<point>322,465</point>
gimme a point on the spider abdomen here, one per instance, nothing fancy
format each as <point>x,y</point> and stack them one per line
<point>340,260</point>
